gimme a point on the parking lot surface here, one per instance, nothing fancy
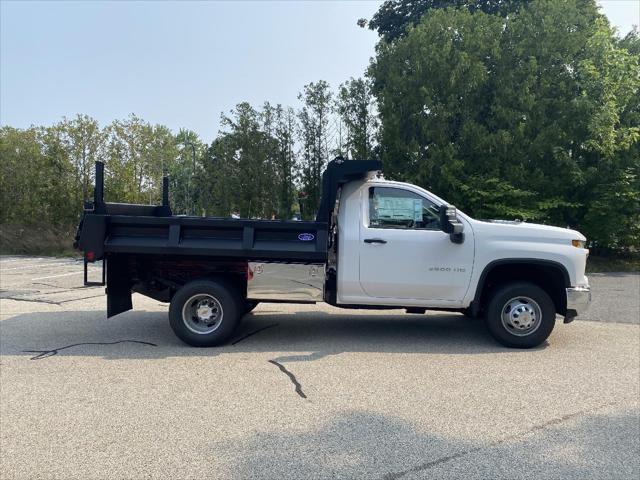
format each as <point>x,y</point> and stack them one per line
<point>308,391</point>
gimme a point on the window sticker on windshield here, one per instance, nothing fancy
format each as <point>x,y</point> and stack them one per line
<point>417,209</point>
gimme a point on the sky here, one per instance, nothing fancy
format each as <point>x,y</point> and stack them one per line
<point>181,64</point>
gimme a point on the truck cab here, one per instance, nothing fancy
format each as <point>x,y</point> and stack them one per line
<point>393,250</point>
<point>375,244</point>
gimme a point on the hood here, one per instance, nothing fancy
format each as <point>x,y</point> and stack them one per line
<point>510,228</point>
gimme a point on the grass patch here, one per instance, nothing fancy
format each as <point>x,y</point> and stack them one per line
<point>622,263</point>
<point>34,240</point>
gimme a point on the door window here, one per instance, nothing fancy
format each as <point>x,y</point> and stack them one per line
<point>398,208</point>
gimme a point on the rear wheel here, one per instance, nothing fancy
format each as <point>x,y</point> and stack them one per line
<point>204,313</point>
<point>520,315</point>
<point>249,305</point>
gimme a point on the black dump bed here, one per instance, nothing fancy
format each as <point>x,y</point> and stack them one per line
<point>148,229</point>
<point>211,237</point>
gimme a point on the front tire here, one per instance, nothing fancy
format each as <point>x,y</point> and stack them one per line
<point>204,313</point>
<point>520,315</point>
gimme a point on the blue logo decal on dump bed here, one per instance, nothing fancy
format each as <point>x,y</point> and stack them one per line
<point>306,237</point>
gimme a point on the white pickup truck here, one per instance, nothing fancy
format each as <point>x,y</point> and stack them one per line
<point>375,244</point>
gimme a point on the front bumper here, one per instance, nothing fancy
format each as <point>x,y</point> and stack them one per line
<point>578,300</point>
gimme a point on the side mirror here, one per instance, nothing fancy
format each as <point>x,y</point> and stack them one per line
<point>450,224</point>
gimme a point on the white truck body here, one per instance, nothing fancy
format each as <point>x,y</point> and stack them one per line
<point>422,267</point>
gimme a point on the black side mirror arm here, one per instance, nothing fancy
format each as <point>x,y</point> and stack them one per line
<point>457,237</point>
<point>450,224</point>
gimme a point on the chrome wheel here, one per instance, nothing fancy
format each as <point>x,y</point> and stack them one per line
<point>521,316</point>
<point>202,314</point>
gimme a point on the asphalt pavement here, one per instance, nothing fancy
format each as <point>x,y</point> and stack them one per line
<point>308,391</point>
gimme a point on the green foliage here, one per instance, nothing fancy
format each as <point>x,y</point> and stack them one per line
<point>135,155</point>
<point>23,174</point>
<point>314,125</point>
<point>285,158</point>
<point>256,167</point>
<point>183,163</point>
<point>533,115</point>
<point>355,105</point>
<point>246,155</point>
<point>249,169</point>
<point>394,17</point>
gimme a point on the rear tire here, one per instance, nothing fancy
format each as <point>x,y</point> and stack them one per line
<point>520,315</point>
<point>249,305</point>
<point>205,313</point>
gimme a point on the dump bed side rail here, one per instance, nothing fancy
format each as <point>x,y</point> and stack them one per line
<point>194,236</point>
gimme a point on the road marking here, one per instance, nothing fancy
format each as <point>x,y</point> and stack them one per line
<point>11,260</point>
<point>38,265</point>
<point>56,276</point>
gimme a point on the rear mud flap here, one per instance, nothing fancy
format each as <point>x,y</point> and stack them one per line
<point>118,286</point>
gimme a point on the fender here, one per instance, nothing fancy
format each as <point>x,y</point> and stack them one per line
<point>475,304</point>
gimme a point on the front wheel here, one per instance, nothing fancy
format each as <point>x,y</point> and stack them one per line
<point>520,315</point>
<point>204,313</point>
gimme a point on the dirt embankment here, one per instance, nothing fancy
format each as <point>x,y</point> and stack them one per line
<point>33,240</point>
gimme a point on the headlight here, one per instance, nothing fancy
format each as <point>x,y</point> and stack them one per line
<point>578,243</point>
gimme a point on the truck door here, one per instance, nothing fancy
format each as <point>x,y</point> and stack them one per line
<point>404,253</point>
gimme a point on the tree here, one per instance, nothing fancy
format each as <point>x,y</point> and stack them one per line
<point>136,154</point>
<point>220,176</point>
<point>286,161</point>
<point>83,141</point>
<point>616,180</point>
<point>395,16</point>
<point>46,173</point>
<point>186,174</point>
<point>128,159</point>
<point>22,175</point>
<point>60,188</point>
<point>355,105</point>
<point>524,116</point>
<point>313,130</point>
<point>242,159</point>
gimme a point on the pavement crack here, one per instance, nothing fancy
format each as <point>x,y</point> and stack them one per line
<point>58,286</point>
<point>250,334</point>
<point>50,353</point>
<point>31,300</point>
<point>50,302</point>
<point>81,298</point>
<point>291,376</point>
<point>62,291</point>
<point>555,421</point>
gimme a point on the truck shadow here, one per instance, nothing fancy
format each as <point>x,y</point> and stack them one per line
<point>289,337</point>
<point>360,444</point>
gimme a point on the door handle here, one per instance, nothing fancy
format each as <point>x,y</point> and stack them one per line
<point>374,240</point>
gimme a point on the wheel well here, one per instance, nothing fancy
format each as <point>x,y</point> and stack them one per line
<point>160,277</point>
<point>551,277</point>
